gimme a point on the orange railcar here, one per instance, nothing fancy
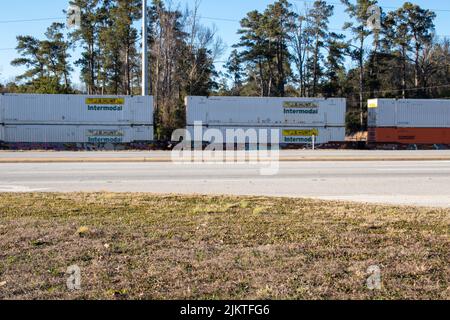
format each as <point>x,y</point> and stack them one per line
<point>410,135</point>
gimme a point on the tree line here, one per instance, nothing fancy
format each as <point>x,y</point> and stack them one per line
<point>282,51</point>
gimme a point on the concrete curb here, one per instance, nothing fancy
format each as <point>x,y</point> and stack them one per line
<point>167,160</point>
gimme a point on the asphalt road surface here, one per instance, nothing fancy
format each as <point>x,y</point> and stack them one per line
<point>421,183</point>
<point>284,154</point>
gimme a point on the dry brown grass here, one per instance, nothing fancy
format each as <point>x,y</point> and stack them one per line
<point>137,246</point>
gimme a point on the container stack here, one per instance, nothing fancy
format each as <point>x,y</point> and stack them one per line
<point>75,119</point>
<point>297,119</point>
<point>409,121</point>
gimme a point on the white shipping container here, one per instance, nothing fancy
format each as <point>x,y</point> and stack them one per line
<point>406,113</point>
<point>75,109</point>
<point>286,135</point>
<point>76,134</point>
<point>277,112</point>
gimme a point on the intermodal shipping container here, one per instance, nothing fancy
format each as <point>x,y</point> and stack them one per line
<point>409,121</point>
<point>35,109</point>
<point>410,135</point>
<point>76,134</point>
<point>266,112</point>
<point>409,113</point>
<point>286,135</point>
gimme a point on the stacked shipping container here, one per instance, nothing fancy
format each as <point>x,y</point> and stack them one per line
<point>409,121</point>
<point>124,119</point>
<point>75,118</point>
<point>298,119</point>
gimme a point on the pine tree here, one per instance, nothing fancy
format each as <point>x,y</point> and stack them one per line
<point>300,42</point>
<point>335,70</point>
<point>421,25</point>
<point>319,17</point>
<point>264,43</point>
<point>87,35</point>
<point>361,32</point>
<point>48,68</point>
<point>235,72</point>
<point>279,23</point>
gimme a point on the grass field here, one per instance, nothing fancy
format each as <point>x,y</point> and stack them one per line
<point>138,246</point>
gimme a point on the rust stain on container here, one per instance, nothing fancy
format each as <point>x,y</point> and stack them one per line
<point>410,135</point>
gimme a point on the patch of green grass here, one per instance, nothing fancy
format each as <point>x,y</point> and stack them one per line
<point>260,210</point>
<point>138,246</point>
<point>244,204</point>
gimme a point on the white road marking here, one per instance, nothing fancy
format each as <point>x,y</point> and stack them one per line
<point>414,169</point>
<point>19,189</point>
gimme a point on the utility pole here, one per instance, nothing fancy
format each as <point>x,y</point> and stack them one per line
<point>144,49</point>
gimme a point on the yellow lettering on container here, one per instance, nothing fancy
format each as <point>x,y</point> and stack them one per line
<point>300,133</point>
<point>105,101</point>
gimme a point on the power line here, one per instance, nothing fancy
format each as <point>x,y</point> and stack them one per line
<point>63,18</point>
<point>383,7</point>
<point>220,19</point>
<point>31,20</point>
<point>213,18</point>
<point>406,89</point>
<point>204,17</point>
<point>331,29</point>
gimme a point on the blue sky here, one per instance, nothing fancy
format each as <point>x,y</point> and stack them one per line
<point>230,9</point>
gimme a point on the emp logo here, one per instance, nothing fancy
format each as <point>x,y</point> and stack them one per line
<point>73,16</point>
<point>374,20</point>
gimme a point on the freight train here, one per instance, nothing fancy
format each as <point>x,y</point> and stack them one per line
<point>86,119</point>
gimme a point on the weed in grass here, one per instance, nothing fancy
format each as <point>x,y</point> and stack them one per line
<point>83,231</point>
<point>260,210</point>
<point>117,294</point>
<point>244,204</point>
<point>264,293</point>
<point>38,243</point>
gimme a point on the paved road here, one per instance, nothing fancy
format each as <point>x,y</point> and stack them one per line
<point>285,154</point>
<point>392,182</point>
